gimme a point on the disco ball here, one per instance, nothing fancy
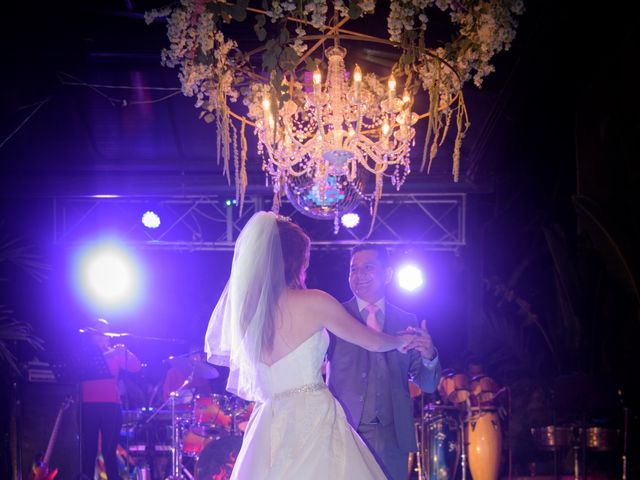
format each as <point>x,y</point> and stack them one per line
<point>337,196</point>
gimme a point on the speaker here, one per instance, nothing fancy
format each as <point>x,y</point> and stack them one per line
<point>36,408</point>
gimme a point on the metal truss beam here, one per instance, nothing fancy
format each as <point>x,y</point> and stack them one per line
<point>434,221</point>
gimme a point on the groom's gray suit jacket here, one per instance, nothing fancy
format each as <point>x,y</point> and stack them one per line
<point>348,370</point>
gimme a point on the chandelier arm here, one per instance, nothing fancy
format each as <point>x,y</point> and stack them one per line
<point>290,134</point>
<point>289,19</point>
<point>366,166</point>
<point>427,52</point>
<point>284,166</point>
<point>250,73</point>
<point>296,174</point>
<point>369,147</point>
<point>307,22</point>
<point>353,36</point>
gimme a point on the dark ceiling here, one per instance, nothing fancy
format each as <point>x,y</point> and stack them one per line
<point>87,108</point>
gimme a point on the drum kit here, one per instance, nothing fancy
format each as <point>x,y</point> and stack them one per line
<point>194,435</point>
<point>461,430</point>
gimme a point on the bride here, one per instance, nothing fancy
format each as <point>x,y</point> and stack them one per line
<point>272,334</point>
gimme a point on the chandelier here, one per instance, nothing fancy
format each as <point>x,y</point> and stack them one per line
<point>318,145</point>
<point>329,136</point>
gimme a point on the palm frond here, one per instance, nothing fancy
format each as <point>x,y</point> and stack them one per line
<point>12,330</point>
<point>12,250</point>
<point>618,257</point>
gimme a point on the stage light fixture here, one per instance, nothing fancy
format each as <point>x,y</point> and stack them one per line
<point>150,219</point>
<point>108,276</point>
<point>410,278</point>
<point>350,220</point>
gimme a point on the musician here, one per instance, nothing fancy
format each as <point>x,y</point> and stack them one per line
<point>101,403</point>
<point>187,368</point>
<point>474,366</point>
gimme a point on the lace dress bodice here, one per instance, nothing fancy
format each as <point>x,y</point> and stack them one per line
<point>300,368</point>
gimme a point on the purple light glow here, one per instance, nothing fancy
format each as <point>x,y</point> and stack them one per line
<point>108,277</point>
<point>410,278</point>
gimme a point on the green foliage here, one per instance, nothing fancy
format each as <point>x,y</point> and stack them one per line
<point>354,10</point>
<point>14,251</point>
<point>261,32</point>
<point>620,259</point>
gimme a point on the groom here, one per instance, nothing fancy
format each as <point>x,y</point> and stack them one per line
<point>373,387</point>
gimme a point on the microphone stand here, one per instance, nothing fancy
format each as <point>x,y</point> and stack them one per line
<point>464,424</point>
<point>176,451</point>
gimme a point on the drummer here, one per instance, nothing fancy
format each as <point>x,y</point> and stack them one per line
<point>474,366</point>
<point>484,389</point>
<point>191,367</point>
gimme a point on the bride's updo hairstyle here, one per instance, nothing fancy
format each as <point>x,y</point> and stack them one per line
<point>295,252</point>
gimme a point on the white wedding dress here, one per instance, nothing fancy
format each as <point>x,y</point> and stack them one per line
<point>301,432</point>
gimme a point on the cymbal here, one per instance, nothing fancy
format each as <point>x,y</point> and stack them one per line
<point>192,366</point>
<point>205,371</point>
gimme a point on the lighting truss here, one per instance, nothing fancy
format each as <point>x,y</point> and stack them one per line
<point>431,221</point>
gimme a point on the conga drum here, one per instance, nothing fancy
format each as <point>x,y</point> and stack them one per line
<point>441,443</point>
<point>454,387</point>
<point>483,388</point>
<point>484,436</point>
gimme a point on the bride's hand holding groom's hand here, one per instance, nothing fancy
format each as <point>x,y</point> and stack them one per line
<point>406,341</point>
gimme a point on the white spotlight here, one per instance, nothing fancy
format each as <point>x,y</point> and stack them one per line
<point>110,277</point>
<point>150,219</point>
<point>350,220</point>
<point>410,278</point>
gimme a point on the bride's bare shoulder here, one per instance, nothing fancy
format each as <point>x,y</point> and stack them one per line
<point>310,296</point>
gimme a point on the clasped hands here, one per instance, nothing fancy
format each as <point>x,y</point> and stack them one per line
<point>418,339</point>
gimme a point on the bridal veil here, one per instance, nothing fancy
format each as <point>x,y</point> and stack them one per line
<point>234,336</point>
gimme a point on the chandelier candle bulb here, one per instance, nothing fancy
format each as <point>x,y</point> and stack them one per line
<point>266,106</point>
<point>337,138</point>
<point>317,79</point>
<point>392,87</point>
<point>357,80</point>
